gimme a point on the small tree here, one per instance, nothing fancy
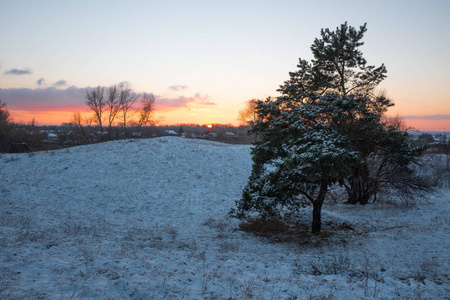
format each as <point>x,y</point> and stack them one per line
<point>146,111</point>
<point>248,116</point>
<point>4,113</point>
<point>76,119</point>
<point>388,166</point>
<point>5,128</point>
<point>96,102</point>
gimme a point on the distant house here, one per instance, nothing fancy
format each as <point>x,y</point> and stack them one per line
<point>51,135</point>
<point>171,132</point>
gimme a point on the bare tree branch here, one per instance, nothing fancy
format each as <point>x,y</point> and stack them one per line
<point>127,98</point>
<point>113,106</point>
<point>95,101</point>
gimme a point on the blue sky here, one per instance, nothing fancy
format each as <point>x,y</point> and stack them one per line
<point>221,52</point>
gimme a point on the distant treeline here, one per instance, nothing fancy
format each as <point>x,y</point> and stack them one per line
<point>31,137</point>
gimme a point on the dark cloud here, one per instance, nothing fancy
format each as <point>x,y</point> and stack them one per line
<point>44,99</point>
<point>19,71</point>
<point>177,87</point>
<point>429,117</point>
<point>40,81</point>
<point>60,83</point>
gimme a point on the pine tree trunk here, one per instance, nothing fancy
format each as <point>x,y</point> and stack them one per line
<point>316,223</point>
<point>317,208</point>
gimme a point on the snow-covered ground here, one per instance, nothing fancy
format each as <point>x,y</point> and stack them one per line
<point>147,219</point>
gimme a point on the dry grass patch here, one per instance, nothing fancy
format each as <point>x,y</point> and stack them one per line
<point>280,231</point>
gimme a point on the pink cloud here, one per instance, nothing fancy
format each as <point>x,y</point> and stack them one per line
<point>163,103</point>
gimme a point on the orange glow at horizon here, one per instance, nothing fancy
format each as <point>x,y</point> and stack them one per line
<point>58,117</point>
<point>181,116</point>
<point>42,117</point>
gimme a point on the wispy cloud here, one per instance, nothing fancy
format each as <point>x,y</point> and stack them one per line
<point>178,87</point>
<point>40,81</point>
<point>60,83</point>
<point>428,117</point>
<point>18,71</point>
<point>164,103</point>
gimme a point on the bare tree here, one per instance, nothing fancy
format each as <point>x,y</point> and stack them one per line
<point>248,116</point>
<point>4,113</point>
<point>147,101</point>
<point>5,129</point>
<point>95,101</point>
<point>113,106</point>
<point>76,119</point>
<point>146,111</point>
<point>127,98</point>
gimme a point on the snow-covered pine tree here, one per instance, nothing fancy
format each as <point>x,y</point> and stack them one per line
<point>299,156</point>
<point>320,131</point>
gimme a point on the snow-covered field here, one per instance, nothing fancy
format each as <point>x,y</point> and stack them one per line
<point>147,219</point>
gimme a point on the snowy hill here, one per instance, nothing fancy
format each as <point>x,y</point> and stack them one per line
<point>147,219</point>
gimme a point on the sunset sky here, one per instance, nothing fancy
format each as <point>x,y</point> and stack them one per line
<point>204,59</point>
